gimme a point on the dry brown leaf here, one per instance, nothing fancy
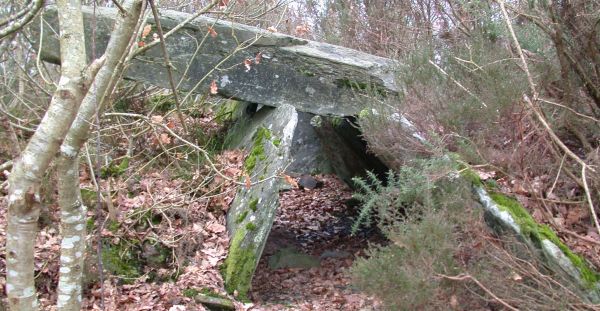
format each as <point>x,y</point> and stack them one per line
<point>519,189</point>
<point>290,181</point>
<point>258,58</point>
<point>146,31</point>
<point>248,64</point>
<point>215,227</point>
<point>516,277</point>
<point>247,178</point>
<point>454,302</point>
<point>301,30</point>
<point>156,119</point>
<point>212,32</point>
<point>165,138</point>
<point>272,29</point>
<point>575,215</point>
<point>213,87</point>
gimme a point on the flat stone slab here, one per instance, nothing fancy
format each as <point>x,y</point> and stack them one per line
<point>273,69</point>
<point>267,137</point>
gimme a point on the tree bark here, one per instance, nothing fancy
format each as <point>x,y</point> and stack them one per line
<point>25,178</point>
<point>73,212</point>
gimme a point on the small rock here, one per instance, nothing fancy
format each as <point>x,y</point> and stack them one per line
<point>309,182</point>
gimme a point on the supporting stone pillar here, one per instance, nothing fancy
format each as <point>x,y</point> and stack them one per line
<point>267,137</point>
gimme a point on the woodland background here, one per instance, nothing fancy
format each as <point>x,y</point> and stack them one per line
<point>520,105</point>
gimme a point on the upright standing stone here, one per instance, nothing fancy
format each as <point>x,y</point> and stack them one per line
<point>268,138</point>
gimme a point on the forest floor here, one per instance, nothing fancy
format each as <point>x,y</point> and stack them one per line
<point>166,237</point>
<point>192,230</point>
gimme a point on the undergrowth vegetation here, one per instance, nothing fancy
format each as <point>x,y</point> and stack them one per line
<point>441,255</point>
<point>521,113</point>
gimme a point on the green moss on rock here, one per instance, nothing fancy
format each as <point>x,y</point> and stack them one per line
<point>241,217</point>
<point>253,204</point>
<point>250,226</point>
<point>538,232</point>
<point>239,266</point>
<point>211,293</point>
<point>190,292</point>
<point>257,153</point>
<point>468,174</point>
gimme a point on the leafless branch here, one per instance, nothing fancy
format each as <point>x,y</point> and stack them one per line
<point>168,64</point>
<point>465,277</point>
<point>18,20</point>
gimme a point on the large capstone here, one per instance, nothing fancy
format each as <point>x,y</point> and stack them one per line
<point>252,64</point>
<point>267,137</point>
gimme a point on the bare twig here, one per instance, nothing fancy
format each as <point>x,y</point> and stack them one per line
<point>562,161</point>
<point>570,109</point>
<point>176,28</point>
<point>579,236</point>
<point>533,105</point>
<point>464,277</point>
<point>118,5</point>
<point>589,199</point>
<point>20,19</point>
<point>457,83</point>
<point>168,64</point>
<point>6,165</point>
<point>196,147</point>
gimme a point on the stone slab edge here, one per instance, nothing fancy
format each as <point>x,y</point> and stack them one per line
<point>314,77</point>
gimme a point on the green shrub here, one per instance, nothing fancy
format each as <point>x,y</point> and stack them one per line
<point>413,189</point>
<point>436,232</point>
<point>403,274</point>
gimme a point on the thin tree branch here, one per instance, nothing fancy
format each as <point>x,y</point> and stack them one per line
<point>168,64</point>
<point>533,105</point>
<point>176,28</point>
<point>464,277</point>
<point>457,83</point>
<point>21,18</point>
<point>589,199</point>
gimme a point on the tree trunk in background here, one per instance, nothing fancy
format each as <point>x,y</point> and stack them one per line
<point>25,178</point>
<point>73,212</point>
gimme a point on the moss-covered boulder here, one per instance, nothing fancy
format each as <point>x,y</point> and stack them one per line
<point>267,137</point>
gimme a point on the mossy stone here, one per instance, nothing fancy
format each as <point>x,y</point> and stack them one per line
<point>538,232</point>
<point>239,266</point>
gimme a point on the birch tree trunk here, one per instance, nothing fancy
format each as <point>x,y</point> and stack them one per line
<point>25,178</point>
<point>73,212</point>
